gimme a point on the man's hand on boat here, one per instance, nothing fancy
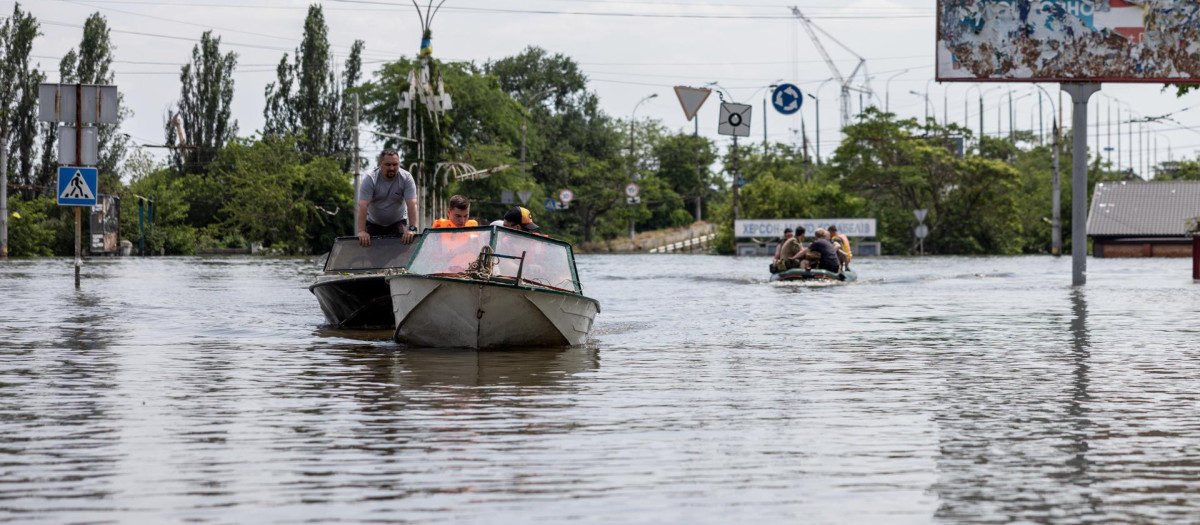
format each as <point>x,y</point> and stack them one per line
<point>364,238</point>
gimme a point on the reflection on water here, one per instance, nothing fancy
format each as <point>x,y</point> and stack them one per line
<point>955,390</point>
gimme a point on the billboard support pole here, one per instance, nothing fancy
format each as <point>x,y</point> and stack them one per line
<point>1080,93</point>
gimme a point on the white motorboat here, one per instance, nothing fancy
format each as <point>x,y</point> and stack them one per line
<point>490,286</point>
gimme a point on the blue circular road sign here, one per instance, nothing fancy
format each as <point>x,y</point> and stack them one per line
<point>787,99</point>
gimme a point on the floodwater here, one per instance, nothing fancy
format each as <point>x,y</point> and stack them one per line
<point>935,390</point>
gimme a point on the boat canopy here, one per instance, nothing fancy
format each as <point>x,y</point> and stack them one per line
<point>547,262</point>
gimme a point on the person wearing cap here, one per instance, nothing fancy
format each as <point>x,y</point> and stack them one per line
<point>787,234</point>
<point>387,201</point>
<point>458,212</point>
<point>842,243</point>
<point>518,218</point>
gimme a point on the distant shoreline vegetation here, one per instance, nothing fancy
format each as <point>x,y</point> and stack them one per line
<point>289,187</point>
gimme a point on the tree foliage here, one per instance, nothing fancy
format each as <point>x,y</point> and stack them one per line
<point>18,94</point>
<point>307,99</point>
<point>92,65</point>
<point>203,111</point>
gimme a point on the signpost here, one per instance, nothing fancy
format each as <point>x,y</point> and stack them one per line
<point>735,120</point>
<point>566,196</point>
<point>691,99</point>
<point>787,99</point>
<point>631,193</point>
<point>76,105</point>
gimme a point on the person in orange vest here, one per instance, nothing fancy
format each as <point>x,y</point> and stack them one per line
<point>842,243</point>
<point>457,213</point>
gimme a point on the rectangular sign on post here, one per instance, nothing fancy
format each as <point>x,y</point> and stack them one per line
<point>78,186</point>
<point>66,146</point>
<point>775,227</point>
<point>56,103</point>
<point>1068,41</point>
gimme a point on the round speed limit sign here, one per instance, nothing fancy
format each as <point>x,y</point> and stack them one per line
<point>631,190</point>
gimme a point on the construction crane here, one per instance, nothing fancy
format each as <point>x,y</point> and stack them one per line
<point>845,81</point>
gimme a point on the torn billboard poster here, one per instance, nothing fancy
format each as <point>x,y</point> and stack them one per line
<point>1069,40</point>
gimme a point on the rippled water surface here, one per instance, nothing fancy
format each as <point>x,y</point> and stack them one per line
<point>940,390</point>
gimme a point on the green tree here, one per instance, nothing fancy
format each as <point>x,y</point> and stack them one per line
<point>307,97</point>
<point>901,165</point>
<point>277,198</point>
<point>16,40</point>
<point>482,131</point>
<point>573,144</point>
<point>163,196</point>
<point>31,227</point>
<point>683,162</point>
<point>93,66</point>
<point>1181,170</point>
<point>18,94</point>
<point>203,110</point>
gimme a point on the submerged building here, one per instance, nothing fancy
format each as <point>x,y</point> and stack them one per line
<point>1143,219</point>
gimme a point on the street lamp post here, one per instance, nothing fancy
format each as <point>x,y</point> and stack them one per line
<point>537,97</point>
<point>1055,189</point>
<point>632,155</point>
<point>817,108</point>
<point>887,93</point>
<point>926,97</point>
<point>927,105</point>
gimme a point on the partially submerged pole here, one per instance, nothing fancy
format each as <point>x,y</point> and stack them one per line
<point>1080,93</point>
<point>3,195</point>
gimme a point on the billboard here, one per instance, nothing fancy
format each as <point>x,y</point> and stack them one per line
<point>1069,40</point>
<point>774,227</point>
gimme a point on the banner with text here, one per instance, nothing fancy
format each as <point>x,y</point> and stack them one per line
<point>775,227</point>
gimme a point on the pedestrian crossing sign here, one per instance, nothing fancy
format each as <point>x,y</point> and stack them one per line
<point>77,186</point>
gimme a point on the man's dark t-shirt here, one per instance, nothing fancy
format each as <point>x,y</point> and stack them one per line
<point>829,258</point>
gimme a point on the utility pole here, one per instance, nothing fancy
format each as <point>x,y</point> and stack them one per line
<point>78,160</point>
<point>736,176</point>
<point>3,190</point>
<point>764,126</point>
<point>357,109</point>
<point>699,183</point>
<point>817,109</point>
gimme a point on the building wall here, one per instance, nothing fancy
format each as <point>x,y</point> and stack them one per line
<point>1147,248</point>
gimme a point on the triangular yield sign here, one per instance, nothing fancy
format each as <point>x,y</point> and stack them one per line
<point>691,99</point>
<point>77,188</point>
<point>524,195</point>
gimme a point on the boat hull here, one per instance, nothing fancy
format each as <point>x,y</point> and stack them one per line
<point>797,274</point>
<point>447,312</point>
<point>355,301</point>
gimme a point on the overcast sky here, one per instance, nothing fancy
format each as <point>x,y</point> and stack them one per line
<point>627,49</point>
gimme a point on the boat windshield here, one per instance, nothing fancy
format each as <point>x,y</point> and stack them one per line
<point>546,263</point>
<point>384,252</point>
<point>449,250</point>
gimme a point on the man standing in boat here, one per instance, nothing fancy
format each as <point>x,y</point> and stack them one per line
<point>387,201</point>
